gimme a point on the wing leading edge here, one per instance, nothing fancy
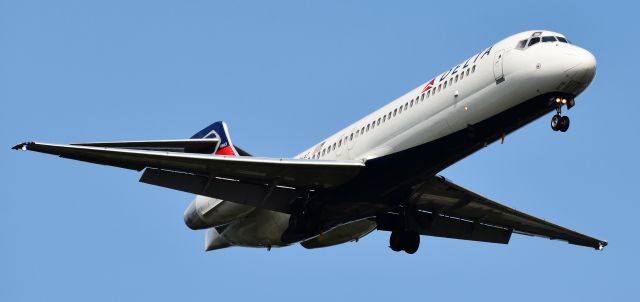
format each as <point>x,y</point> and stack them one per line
<point>442,197</point>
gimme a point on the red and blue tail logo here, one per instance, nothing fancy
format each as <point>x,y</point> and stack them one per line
<point>220,131</point>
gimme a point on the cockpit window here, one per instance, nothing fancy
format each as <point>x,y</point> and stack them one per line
<point>536,38</point>
<point>534,41</point>
<point>548,39</point>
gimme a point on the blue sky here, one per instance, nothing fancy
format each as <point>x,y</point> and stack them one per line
<point>284,75</point>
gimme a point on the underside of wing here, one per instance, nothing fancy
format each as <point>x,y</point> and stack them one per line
<point>248,180</point>
<point>467,212</point>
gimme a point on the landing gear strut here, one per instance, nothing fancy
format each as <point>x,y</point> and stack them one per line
<point>559,122</point>
<point>409,241</point>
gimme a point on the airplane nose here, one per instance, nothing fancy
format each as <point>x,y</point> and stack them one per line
<point>581,66</point>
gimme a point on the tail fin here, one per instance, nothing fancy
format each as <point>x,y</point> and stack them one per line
<point>221,131</point>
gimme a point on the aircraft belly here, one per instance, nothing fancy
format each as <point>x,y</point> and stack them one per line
<point>261,228</point>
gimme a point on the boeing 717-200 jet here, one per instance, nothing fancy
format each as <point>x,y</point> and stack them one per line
<point>379,173</point>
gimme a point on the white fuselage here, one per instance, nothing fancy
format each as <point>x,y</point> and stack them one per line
<point>486,84</point>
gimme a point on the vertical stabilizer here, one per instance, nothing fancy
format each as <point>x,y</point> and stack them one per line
<point>221,131</point>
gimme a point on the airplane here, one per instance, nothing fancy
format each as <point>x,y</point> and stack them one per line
<point>379,173</point>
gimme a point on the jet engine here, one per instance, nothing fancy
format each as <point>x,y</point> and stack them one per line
<point>205,212</point>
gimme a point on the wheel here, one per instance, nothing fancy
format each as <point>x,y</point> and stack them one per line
<point>411,241</point>
<point>564,124</point>
<point>555,122</point>
<point>395,241</point>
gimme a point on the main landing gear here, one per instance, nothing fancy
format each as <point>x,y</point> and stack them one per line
<point>409,241</point>
<point>558,121</point>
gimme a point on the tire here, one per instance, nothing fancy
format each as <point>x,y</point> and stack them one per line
<point>564,124</point>
<point>411,242</point>
<point>556,121</point>
<point>396,241</point>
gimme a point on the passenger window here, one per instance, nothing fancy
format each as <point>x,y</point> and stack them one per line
<point>411,104</point>
<point>456,78</point>
<point>367,127</point>
<point>422,97</point>
<point>389,116</point>
<point>378,123</point>
<point>473,68</point>
<point>450,81</point>
<point>400,109</point>
<point>534,41</point>
<point>439,87</point>
<point>561,39</point>
<point>351,137</point>
<point>395,111</point>
<point>548,39</point>
<point>467,72</point>
<point>323,150</point>
<point>334,146</point>
<point>384,118</point>
<point>406,105</point>
<point>461,75</point>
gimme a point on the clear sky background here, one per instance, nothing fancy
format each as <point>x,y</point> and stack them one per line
<point>285,75</point>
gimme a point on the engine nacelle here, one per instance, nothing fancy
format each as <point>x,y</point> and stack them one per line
<point>214,241</point>
<point>341,234</point>
<point>205,212</point>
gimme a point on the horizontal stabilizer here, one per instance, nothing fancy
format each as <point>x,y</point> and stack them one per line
<point>203,145</point>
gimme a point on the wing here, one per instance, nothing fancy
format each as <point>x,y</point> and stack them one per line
<point>459,206</point>
<point>249,180</point>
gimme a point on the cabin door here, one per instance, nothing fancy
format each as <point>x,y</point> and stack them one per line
<point>498,71</point>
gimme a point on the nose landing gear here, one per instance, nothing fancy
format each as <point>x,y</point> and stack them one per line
<point>558,121</point>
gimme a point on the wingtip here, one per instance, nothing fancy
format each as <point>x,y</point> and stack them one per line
<point>22,146</point>
<point>601,245</point>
